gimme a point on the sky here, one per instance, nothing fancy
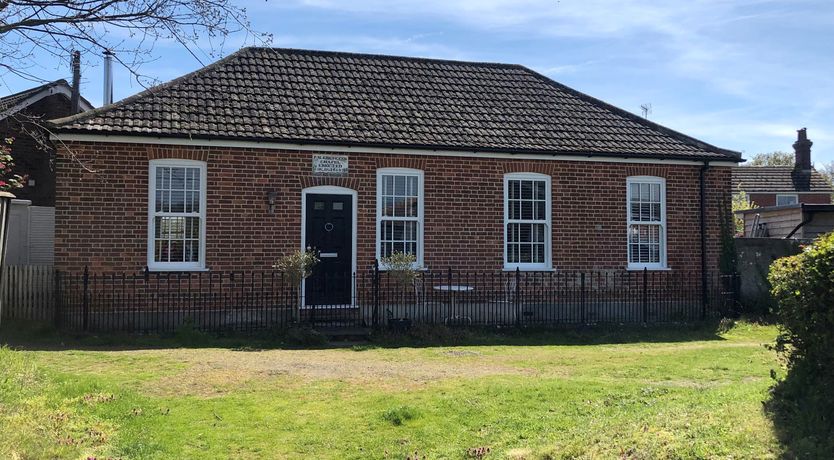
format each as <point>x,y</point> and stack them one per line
<point>740,74</point>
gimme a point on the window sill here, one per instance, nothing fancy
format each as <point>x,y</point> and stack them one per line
<point>651,269</point>
<point>176,270</point>
<point>417,269</point>
<point>528,269</point>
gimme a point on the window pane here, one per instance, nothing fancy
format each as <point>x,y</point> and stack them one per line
<point>177,201</point>
<point>526,190</point>
<point>526,210</point>
<point>192,251</point>
<point>412,186</point>
<point>540,190</point>
<point>192,227</point>
<point>177,178</point>
<point>399,206</point>
<point>411,207</point>
<point>525,253</point>
<point>176,251</point>
<point>399,185</point>
<point>161,251</point>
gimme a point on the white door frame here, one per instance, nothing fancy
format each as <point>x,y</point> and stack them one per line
<point>331,190</point>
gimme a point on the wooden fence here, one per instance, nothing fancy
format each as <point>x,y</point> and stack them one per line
<point>27,292</point>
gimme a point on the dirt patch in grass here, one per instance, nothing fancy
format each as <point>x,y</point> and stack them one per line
<point>216,372</point>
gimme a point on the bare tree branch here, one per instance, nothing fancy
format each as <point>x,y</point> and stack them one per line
<point>58,26</point>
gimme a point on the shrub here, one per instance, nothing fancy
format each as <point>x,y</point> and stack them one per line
<point>402,267</point>
<point>803,287</point>
<point>802,405</point>
<point>297,266</point>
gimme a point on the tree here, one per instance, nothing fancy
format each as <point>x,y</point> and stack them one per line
<point>130,28</point>
<point>827,171</point>
<point>8,180</point>
<point>30,29</point>
<point>777,158</point>
<point>741,202</point>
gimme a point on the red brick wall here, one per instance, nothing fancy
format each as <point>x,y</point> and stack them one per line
<point>101,217</point>
<point>769,199</point>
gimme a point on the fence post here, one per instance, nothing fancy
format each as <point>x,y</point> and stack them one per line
<point>517,296</point>
<point>645,296</point>
<point>582,306</point>
<point>375,316</point>
<point>85,299</point>
<point>58,298</point>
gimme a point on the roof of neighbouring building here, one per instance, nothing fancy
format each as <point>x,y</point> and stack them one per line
<point>16,102</point>
<point>318,97</point>
<point>778,179</point>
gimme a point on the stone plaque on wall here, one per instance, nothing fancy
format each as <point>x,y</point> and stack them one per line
<point>330,165</point>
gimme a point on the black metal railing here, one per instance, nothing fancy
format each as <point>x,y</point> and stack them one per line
<point>248,301</point>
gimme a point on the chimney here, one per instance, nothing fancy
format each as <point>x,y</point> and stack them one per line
<point>802,151</point>
<point>108,78</point>
<point>76,81</point>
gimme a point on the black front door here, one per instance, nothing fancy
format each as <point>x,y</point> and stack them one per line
<point>329,232</point>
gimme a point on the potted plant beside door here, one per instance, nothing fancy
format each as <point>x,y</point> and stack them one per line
<point>296,267</point>
<point>402,273</point>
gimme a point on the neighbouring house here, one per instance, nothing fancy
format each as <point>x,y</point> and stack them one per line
<point>465,165</point>
<point>800,221</point>
<point>22,117</point>
<point>767,186</point>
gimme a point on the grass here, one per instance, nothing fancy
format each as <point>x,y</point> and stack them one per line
<point>640,393</point>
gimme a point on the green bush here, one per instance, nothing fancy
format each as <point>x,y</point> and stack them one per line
<point>802,404</point>
<point>803,287</point>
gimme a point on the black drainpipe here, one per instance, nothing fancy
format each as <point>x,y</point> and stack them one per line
<point>702,180</point>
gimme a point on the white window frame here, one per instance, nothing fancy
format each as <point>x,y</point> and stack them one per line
<point>662,265</point>
<point>795,196</point>
<point>176,266</point>
<point>548,232</point>
<point>418,173</point>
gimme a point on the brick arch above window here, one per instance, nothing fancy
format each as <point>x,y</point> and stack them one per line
<point>162,152</point>
<point>537,167</point>
<point>346,182</point>
<point>401,162</point>
<point>661,171</point>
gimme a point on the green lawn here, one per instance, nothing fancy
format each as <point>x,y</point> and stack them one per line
<point>637,393</point>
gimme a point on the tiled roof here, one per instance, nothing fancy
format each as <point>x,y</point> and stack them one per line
<point>778,179</point>
<point>284,95</point>
<point>10,101</point>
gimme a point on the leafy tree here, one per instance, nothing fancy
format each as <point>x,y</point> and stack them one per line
<point>740,202</point>
<point>827,171</point>
<point>777,158</point>
<point>8,180</point>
